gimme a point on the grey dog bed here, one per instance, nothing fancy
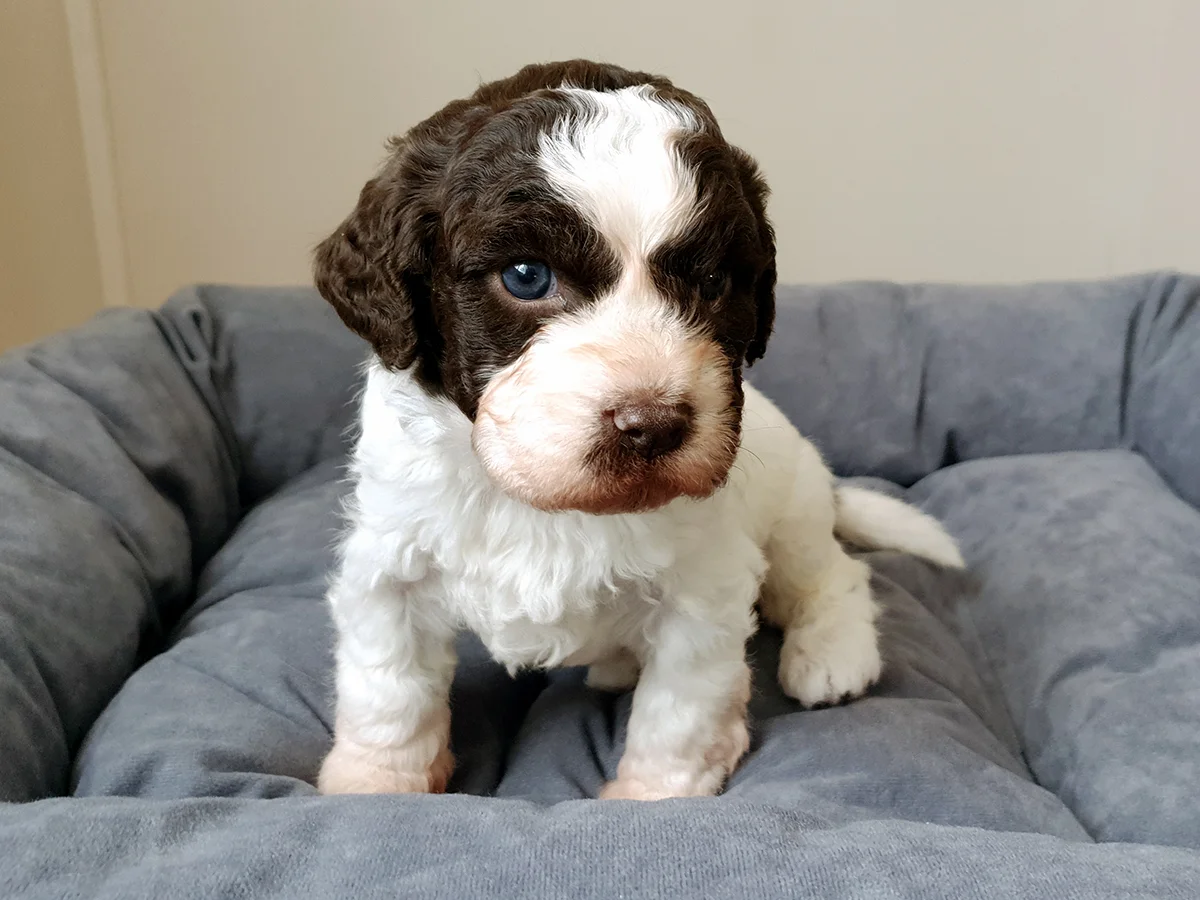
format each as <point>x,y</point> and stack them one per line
<point>169,487</point>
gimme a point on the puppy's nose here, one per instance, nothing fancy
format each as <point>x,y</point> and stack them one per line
<point>652,429</point>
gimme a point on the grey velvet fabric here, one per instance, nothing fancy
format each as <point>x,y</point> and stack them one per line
<point>169,489</point>
<point>378,848</point>
<point>115,483</point>
<point>897,381</point>
<point>1097,648</point>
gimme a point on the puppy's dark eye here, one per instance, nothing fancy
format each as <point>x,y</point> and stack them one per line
<point>529,280</point>
<point>713,286</point>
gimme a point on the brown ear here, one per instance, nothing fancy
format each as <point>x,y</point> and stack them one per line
<point>754,187</point>
<point>374,269</point>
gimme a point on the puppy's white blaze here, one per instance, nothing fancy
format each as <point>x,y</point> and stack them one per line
<point>617,162</point>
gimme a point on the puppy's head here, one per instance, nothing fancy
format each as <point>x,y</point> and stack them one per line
<point>578,260</point>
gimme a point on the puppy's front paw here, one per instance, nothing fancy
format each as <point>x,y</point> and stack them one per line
<point>352,768</point>
<point>632,789</point>
<point>699,773</point>
<point>704,777</point>
<point>830,662</point>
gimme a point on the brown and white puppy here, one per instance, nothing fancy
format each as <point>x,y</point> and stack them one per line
<point>561,278</point>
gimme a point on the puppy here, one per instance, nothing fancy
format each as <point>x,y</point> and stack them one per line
<point>561,278</point>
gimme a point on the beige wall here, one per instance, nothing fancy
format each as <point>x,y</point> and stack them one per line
<point>49,270</point>
<point>931,139</point>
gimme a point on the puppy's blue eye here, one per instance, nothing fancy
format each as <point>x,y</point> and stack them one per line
<point>529,280</point>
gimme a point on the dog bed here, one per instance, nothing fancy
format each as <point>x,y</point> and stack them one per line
<point>170,485</point>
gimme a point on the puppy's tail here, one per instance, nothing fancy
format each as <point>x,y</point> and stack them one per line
<point>876,521</point>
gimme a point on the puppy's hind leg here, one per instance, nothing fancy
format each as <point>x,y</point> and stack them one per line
<point>821,598</point>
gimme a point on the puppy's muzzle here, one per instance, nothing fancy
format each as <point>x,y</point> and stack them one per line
<point>622,407</point>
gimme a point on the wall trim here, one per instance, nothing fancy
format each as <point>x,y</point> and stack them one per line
<point>91,91</point>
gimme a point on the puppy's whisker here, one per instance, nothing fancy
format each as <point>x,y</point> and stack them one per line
<point>757,458</point>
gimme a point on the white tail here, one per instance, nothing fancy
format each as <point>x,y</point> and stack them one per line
<point>876,521</point>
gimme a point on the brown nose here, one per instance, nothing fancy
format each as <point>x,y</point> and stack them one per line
<point>652,429</point>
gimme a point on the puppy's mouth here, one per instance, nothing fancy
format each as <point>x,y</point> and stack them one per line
<point>632,460</point>
<point>646,456</point>
<point>608,486</point>
<point>636,495</point>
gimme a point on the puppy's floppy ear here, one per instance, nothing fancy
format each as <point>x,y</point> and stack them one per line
<point>755,190</point>
<point>375,268</point>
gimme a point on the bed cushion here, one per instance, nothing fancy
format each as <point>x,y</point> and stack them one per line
<point>1090,622</point>
<point>165,651</point>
